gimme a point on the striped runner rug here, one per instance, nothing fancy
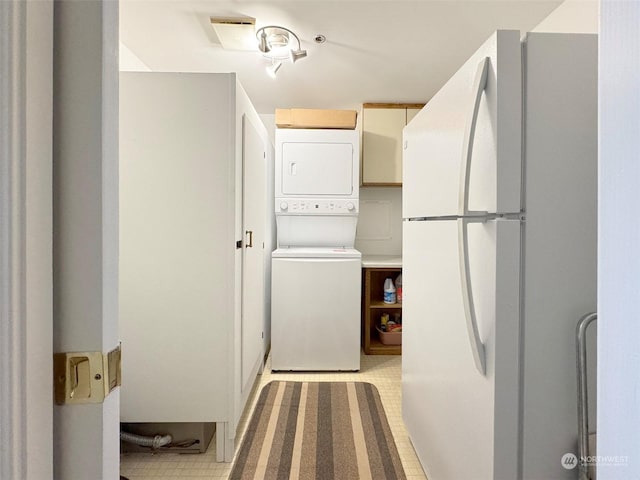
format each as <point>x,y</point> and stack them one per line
<point>318,431</point>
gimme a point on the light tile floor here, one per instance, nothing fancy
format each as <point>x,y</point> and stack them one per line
<point>383,371</point>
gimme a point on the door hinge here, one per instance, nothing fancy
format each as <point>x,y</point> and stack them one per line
<point>262,334</point>
<point>86,377</point>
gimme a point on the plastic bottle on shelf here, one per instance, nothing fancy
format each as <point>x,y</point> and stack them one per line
<point>399,288</point>
<point>389,295</point>
<point>384,319</point>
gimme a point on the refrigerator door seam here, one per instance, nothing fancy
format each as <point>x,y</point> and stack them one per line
<point>478,218</point>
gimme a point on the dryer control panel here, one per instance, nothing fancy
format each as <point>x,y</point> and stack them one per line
<point>306,206</point>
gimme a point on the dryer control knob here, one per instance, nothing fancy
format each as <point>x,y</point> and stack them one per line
<point>284,205</point>
<point>350,206</point>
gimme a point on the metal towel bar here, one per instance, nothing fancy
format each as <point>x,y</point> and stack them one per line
<point>583,399</point>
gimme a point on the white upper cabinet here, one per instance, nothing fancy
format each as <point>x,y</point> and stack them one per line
<point>382,125</point>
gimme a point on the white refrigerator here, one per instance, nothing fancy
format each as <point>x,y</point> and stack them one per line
<point>499,258</point>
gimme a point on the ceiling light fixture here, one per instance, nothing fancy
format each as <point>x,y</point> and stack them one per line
<point>295,55</point>
<point>275,43</point>
<point>264,45</point>
<point>273,68</point>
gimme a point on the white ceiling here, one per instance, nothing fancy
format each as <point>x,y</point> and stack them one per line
<point>376,51</point>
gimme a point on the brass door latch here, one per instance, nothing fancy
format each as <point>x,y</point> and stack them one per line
<point>85,377</point>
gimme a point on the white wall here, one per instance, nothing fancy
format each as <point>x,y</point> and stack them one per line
<point>380,221</point>
<point>617,22</point>
<point>269,120</point>
<point>571,16</point>
<point>619,240</point>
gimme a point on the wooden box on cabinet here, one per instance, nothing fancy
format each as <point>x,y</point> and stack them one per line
<point>315,118</point>
<point>373,307</point>
<point>382,125</point>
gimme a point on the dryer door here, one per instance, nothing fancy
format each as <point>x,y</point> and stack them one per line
<point>317,168</point>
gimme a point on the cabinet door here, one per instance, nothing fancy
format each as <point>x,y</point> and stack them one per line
<point>253,174</point>
<point>382,145</point>
<point>175,257</point>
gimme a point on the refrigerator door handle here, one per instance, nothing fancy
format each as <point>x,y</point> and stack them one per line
<point>479,84</point>
<point>477,348</point>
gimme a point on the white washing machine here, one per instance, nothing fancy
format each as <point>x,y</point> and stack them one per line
<point>316,272</point>
<point>316,309</point>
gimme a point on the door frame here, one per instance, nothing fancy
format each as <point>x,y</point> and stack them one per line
<point>26,327</point>
<point>29,68</point>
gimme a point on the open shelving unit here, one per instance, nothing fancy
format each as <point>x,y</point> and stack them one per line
<point>373,307</point>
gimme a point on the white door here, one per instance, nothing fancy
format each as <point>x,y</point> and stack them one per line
<point>85,242</point>
<point>439,139</point>
<point>448,406</point>
<point>175,247</point>
<point>254,197</point>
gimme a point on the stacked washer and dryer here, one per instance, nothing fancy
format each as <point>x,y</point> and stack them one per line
<point>316,272</point>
